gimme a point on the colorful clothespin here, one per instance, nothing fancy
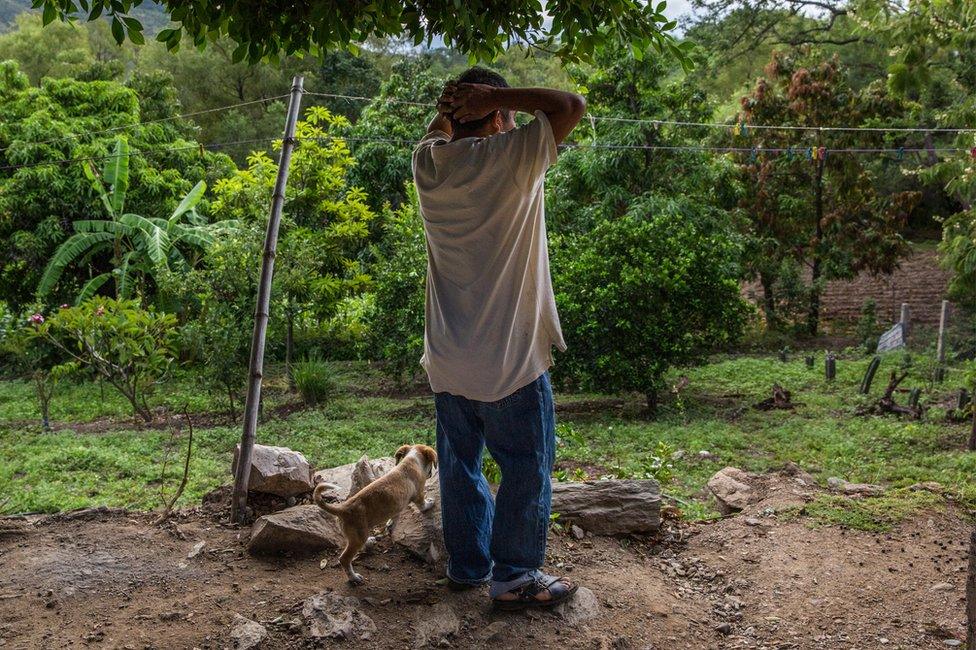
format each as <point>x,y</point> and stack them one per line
<point>822,153</point>
<point>202,151</point>
<point>745,130</point>
<point>972,152</point>
<point>752,155</point>
<point>901,153</point>
<point>736,129</point>
<point>789,153</point>
<point>813,152</point>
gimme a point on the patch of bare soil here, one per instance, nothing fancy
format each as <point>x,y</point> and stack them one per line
<point>755,580</point>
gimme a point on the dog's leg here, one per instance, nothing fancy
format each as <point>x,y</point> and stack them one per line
<point>423,505</point>
<point>355,540</point>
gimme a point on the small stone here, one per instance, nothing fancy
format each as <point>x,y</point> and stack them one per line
<point>724,628</point>
<point>941,586</point>
<point>435,624</point>
<point>330,615</point>
<point>835,483</point>
<point>704,454</point>
<point>195,551</point>
<point>247,634</point>
<point>582,607</point>
<point>576,531</point>
<point>752,521</point>
<point>731,489</point>
<point>953,643</point>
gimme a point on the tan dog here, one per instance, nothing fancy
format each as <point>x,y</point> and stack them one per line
<point>381,501</point>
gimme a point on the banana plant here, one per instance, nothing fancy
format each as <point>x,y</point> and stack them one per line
<point>139,246</point>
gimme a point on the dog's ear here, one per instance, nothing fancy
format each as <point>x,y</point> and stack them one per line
<point>429,455</point>
<point>401,452</point>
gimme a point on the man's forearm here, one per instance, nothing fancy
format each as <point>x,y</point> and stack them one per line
<point>440,123</point>
<point>564,109</point>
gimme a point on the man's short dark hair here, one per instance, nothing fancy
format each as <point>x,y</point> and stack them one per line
<point>479,75</point>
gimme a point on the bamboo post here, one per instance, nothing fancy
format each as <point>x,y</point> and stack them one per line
<point>830,366</point>
<point>940,351</point>
<point>905,321</point>
<point>238,507</point>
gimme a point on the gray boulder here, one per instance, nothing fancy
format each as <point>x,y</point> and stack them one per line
<point>332,616</point>
<point>421,533</point>
<point>731,489</point>
<point>347,479</point>
<point>277,470</point>
<point>299,529</point>
<point>609,507</point>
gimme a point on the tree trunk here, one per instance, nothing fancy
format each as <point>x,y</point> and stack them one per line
<point>972,434</point>
<point>651,401</point>
<point>290,347</point>
<point>813,317</point>
<point>230,401</point>
<point>768,304</point>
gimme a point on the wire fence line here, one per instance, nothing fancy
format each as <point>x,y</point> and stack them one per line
<point>126,127</point>
<point>742,127</point>
<point>712,125</point>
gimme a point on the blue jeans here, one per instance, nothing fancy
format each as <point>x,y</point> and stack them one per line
<point>501,539</point>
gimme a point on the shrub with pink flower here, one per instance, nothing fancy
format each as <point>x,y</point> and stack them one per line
<point>36,319</point>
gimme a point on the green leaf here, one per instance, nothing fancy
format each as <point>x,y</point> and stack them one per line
<point>189,201</point>
<point>70,250</point>
<point>118,32</point>
<point>90,287</point>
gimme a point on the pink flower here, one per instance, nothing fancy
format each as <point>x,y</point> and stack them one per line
<point>65,306</point>
<point>36,319</point>
<point>100,311</point>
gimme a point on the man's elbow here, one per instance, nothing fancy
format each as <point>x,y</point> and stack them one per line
<point>577,105</point>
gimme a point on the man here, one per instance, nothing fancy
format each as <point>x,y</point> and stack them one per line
<point>491,323</point>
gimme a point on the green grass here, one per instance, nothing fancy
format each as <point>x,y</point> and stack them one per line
<point>68,469</point>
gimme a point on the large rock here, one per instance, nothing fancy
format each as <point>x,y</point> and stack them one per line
<point>609,507</point>
<point>277,470</point>
<point>343,477</point>
<point>246,634</point>
<point>731,489</point>
<point>332,616</point>
<point>299,529</point>
<point>420,532</point>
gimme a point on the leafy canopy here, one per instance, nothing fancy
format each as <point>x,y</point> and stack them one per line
<point>482,29</point>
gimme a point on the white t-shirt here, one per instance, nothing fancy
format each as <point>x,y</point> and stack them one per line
<point>491,316</point>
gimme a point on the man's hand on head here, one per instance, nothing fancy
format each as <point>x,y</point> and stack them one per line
<point>470,102</point>
<point>442,121</point>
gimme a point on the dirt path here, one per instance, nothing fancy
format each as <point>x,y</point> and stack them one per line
<point>755,580</point>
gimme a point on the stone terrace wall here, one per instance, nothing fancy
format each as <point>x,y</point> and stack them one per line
<point>920,282</point>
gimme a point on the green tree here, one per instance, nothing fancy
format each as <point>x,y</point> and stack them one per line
<point>389,126</point>
<point>118,341</point>
<point>639,294</point>
<point>573,27</point>
<point>399,273</point>
<point>138,247</point>
<point>802,208</point>
<point>325,222</point>
<point>68,119</point>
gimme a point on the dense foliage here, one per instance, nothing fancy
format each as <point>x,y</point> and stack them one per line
<point>644,292</point>
<point>110,189</point>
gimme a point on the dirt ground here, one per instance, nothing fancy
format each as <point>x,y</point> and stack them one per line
<point>759,579</point>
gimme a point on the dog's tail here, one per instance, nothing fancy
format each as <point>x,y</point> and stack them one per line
<point>317,497</point>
